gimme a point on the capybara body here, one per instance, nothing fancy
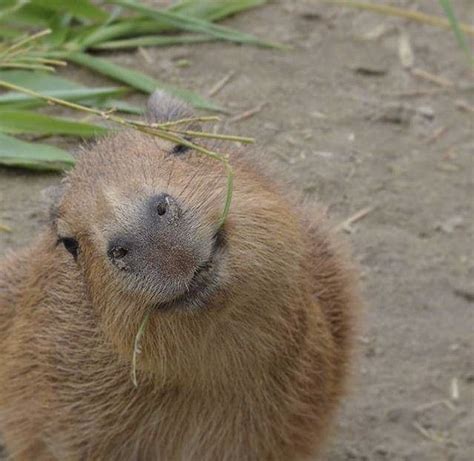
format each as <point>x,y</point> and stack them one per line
<point>246,349</point>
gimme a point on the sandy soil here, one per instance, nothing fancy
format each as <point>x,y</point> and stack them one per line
<point>355,129</point>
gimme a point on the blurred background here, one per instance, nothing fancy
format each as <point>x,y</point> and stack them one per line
<point>368,109</point>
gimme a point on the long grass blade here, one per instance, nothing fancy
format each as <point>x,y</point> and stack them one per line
<point>85,95</point>
<point>90,36</point>
<point>21,154</point>
<point>212,10</point>
<point>83,9</point>
<point>127,28</point>
<point>137,79</point>
<point>40,81</point>
<point>189,23</point>
<point>455,26</point>
<point>8,32</point>
<point>22,121</point>
<point>60,24</point>
<point>29,15</point>
<point>8,7</point>
<point>24,41</point>
<point>137,347</point>
<point>153,40</point>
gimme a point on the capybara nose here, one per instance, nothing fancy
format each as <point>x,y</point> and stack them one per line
<point>162,204</point>
<point>117,252</point>
<point>154,235</point>
<point>165,207</point>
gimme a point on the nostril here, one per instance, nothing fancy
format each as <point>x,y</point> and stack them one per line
<point>162,209</point>
<point>162,205</point>
<point>117,252</point>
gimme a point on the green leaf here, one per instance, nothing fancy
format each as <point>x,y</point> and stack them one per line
<point>38,81</point>
<point>212,10</point>
<point>96,34</point>
<point>44,82</point>
<point>29,15</point>
<point>22,121</point>
<point>88,95</point>
<point>21,154</point>
<point>153,40</point>
<point>182,22</point>
<point>10,32</point>
<point>458,33</point>
<point>137,79</point>
<point>8,7</point>
<point>136,27</point>
<point>60,27</point>
<point>83,9</point>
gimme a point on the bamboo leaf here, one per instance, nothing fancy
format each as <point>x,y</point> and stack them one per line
<point>88,95</point>
<point>21,154</point>
<point>29,15</point>
<point>38,81</point>
<point>83,9</point>
<point>212,10</point>
<point>137,79</point>
<point>8,7</point>
<point>125,28</point>
<point>183,22</point>
<point>455,26</point>
<point>153,40</point>
<point>60,27</point>
<point>43,81</point>
<point>7,32</point>
<point>208,9</point>
<point>21,121</point>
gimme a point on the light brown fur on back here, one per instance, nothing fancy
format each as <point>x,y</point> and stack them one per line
<point>255,374</point>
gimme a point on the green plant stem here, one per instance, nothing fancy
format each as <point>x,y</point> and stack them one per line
<point>455,26</point>
<point>200,134</point>
<point>51,99</point>
<point>17,65</point>
<point>208,118</point>
<point>28,39</point>
<point>136,346</point>
<point>153,40</point>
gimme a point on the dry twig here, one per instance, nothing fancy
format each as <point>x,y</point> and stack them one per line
<point>220,84</point>
<point>5,228</point>
<point>425,75</point>
<point>249,113</point>
<point>346,225</point>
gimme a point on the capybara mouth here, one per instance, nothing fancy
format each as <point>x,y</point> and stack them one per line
<point>204,283</point>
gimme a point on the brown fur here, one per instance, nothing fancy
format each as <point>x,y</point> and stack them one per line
<point>255,375</point>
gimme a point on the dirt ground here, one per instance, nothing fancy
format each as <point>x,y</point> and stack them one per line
<point>355,129</point>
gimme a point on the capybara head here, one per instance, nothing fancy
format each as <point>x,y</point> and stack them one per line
<point>139,218</point>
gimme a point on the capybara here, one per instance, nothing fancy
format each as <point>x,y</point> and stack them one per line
<point>247,346</point>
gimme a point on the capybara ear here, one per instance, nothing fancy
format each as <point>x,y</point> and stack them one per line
<point>52,197</point>
<point>162,108</point>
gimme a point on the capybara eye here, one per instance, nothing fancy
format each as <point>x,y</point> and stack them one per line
<point>71,245</point>
<point>179,149</point>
